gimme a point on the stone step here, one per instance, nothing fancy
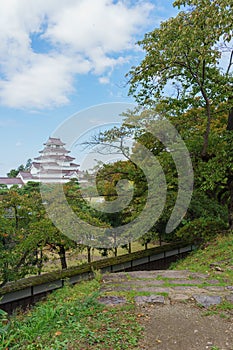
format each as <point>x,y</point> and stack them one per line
<point>165,286</point>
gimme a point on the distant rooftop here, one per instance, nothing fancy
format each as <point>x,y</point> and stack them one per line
<point>25,174</point>
<point>10,181</point>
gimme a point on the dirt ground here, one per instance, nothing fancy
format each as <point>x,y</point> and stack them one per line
<point>175,314</point>
<point>182,326</point>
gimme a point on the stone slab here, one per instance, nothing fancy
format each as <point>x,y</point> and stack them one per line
<point>188,290</point>
<point>215,288</point>
<point>212,281</point>
<point>186,281</point>
<point>179,297</point>
<point>229,298</point>
<point>154,289</point>
<point>207,300</point>
<point>142,283</point>
<point>112,300</point>
<point>151,299</point>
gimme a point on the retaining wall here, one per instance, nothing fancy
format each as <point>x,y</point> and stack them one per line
<point>29,290</point>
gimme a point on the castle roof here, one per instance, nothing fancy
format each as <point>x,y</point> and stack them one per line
<point>54,141</point>
<point>55,156</point>
<point>25,175</point>
<point>49,150</point>
<point>10,181</point>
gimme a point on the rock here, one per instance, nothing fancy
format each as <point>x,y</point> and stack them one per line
<point>154,289</point>
<point>186,281</point>
<point>112,300</point>
<point>230,288</point>
<point>207,300</point>
<point>211,281</point>
<point>215,288</point>
<point>179,297</point>
<point>152,299</point>
<point>229,298</point>
<point>218,268</point>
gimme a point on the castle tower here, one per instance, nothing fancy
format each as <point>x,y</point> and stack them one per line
<point>54,165</point>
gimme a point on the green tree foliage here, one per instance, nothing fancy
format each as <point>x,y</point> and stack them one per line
<point>187,74</point>
<point>201,230</point>
<point>26,230</point>
<point>185,52</point>
<point>185,77</point>
<point>14,172</point>
<point>210,196</point>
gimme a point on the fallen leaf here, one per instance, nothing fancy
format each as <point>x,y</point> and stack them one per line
<point>58,333</point>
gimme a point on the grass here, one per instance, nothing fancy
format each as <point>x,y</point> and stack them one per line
<point>74,257</point>
<point>131,294</point>
<point>221,309</point>
<point>72,318</point>
<point>218,252</point>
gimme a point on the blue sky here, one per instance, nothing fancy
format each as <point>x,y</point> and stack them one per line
<point>60,57</point>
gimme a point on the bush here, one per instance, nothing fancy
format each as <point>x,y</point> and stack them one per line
<point>201,230</point>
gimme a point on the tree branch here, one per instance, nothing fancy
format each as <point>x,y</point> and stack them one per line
<point>230,63</point>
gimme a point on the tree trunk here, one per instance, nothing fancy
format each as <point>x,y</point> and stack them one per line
<point>230,177</point>
<point>207,131</point>
<point>230,120</point>
<point>115,251</point>
<point>16,218</point>
<point>146,245</point>
<point>160,239</point>
<point>130,248</point>
<point>230,204</point>
<point>62,255</point>
<point>40,262</point>
<point>88,254</point>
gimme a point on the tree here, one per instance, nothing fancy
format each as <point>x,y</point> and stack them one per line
<point>17,212</point>
<point>211,190</point>
<point>3,189</point>
<point>44,233</point>
<point>26,229</point>
<point>14,172</point>
<point>185,52</point>
<point>188,68</point>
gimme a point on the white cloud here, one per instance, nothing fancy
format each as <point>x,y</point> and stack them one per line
<point>78,37</point>
<point>45,83</point>
<point>104,80</point>
<point>101,24</point>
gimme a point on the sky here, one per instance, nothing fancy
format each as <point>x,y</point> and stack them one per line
<point>58,58</point>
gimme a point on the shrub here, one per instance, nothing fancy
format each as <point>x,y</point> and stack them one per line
<point>201,230</point>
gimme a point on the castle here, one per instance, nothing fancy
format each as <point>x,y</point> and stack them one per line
<point>54,165</point>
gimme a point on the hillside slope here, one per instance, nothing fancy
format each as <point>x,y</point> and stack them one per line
<point>215,258</point>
